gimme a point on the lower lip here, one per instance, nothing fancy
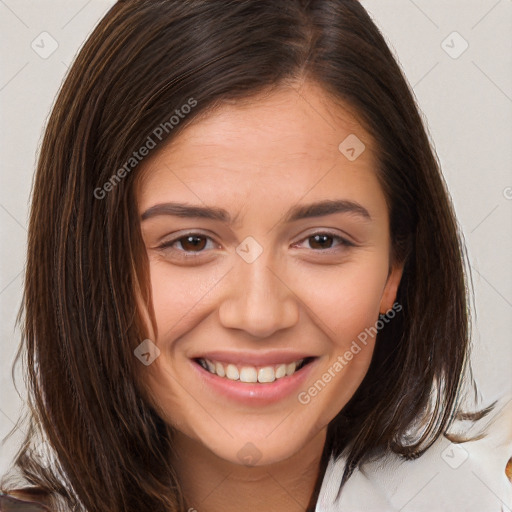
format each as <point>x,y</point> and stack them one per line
<point>255,394</point>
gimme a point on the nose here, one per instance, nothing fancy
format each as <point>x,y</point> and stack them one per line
<point>259,300</point>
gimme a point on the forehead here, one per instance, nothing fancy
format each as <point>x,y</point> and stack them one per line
<point>287,141</point>
<point>295,119</point>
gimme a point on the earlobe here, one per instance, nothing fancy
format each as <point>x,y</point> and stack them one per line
<point>391,288</point>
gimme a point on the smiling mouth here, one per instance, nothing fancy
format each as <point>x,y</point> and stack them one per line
<point>253,374</point>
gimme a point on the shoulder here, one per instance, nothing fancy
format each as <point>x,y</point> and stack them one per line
<point>469,476</point>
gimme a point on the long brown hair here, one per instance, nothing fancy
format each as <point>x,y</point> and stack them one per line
<point>86,261</point>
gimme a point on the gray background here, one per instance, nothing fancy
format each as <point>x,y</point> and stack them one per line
<point>466,100</point>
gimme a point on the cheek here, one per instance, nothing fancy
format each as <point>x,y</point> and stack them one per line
<point>179,293</point>
<point>345,300</point>
<point>345,305</point>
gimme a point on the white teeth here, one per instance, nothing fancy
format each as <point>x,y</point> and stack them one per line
<point>219,370</point>
<point>280,371</point>
<point>232,372</point>
<point>290,368</point>
<point>251,373</point>
<point>248,374</point>
<point>266,374</point>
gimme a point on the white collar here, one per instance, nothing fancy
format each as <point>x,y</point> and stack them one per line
<point>466,477</point>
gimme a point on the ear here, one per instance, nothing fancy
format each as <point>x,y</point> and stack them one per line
<point>391,288</point>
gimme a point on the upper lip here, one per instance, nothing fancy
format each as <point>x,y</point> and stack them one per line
<point>253,358</point>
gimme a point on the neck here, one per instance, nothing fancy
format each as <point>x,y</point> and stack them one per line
<point>212,484</point>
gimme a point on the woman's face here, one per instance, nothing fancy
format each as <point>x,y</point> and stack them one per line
<point>251,275</point>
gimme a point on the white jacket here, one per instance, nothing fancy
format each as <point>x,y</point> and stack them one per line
<point>466,477</point>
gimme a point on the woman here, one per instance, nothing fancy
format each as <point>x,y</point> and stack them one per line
<point>244,275</point>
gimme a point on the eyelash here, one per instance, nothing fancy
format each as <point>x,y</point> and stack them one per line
<point>185,254</point>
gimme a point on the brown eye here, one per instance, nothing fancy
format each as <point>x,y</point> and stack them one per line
<point>325,241</point>
<point>192,243</point>
<point>321,241</point>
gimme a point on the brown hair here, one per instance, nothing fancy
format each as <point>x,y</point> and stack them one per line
<point>86,260</point>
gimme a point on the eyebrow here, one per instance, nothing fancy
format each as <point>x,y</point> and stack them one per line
<point>318,209</point>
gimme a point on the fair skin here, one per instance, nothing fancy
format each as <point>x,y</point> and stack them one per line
<point>302,294</point>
